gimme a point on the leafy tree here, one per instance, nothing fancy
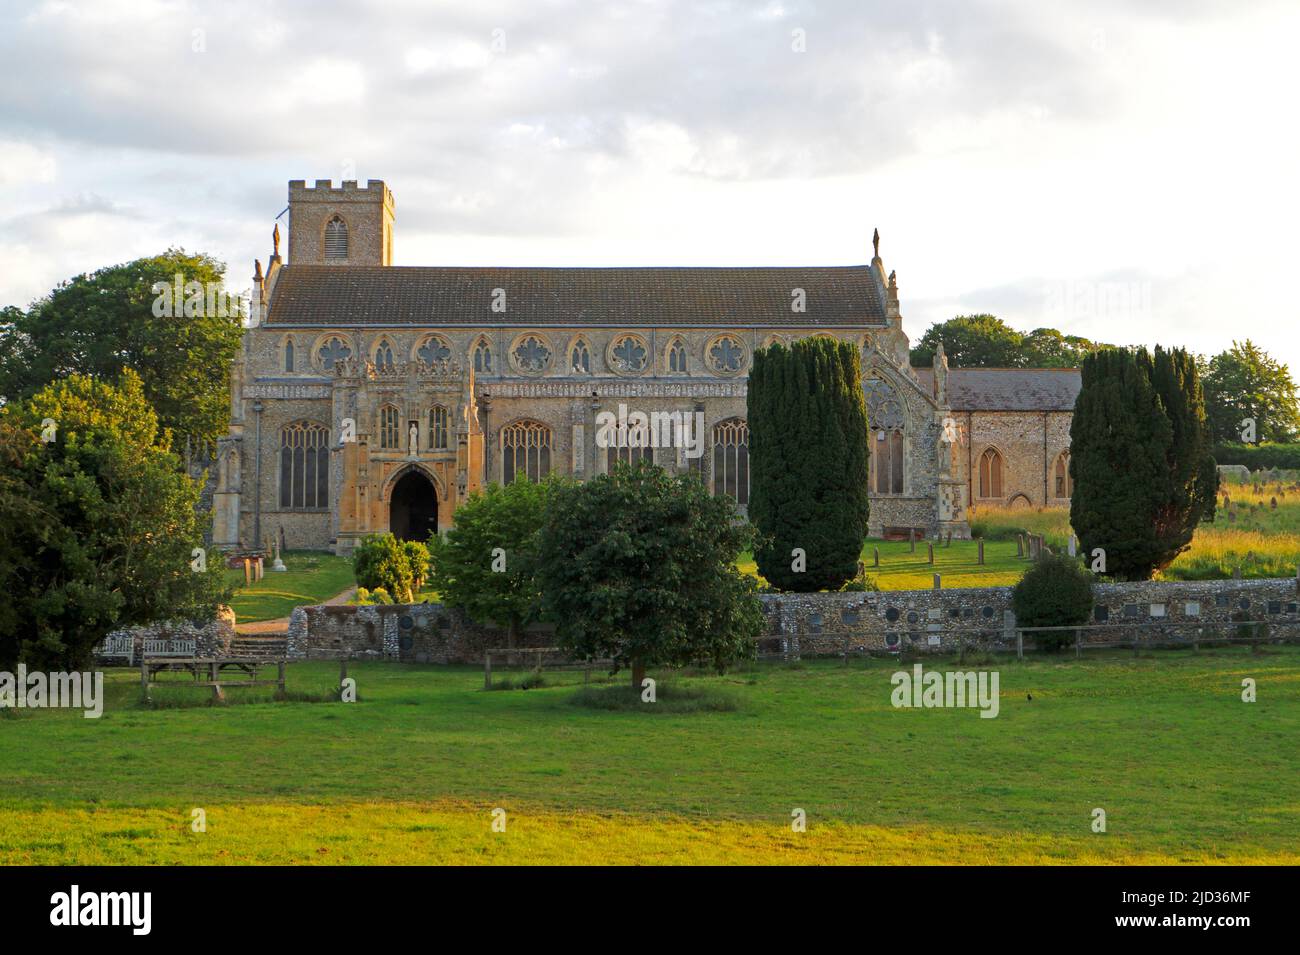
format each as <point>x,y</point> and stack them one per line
<point>1244,382</point>
<point>381,561</point>
<point>1055,592</point>
<point>1140,459</point>
<point>487,565</point>
<point>639,566</point>
<point>98,324</point>
<point>984,341</point>
<point>808,463</point>
<point>109,527</point>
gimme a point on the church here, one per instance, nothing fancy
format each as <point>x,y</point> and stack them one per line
<point>368,397</point>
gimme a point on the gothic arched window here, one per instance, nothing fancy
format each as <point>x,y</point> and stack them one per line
<point>483,358</point>
<point>886,461</point>
<point>336,240</point>
<point>288,354</point>
<point>304,465</point>
<point>390,428</point>
<point>991,474</point>
<point>886,419</point>
<point>580,358</point>
<point>438,428</point>
<point>631,444</point>
<point>677,358</point>
<point>525,451</point>
<point>384,355</point>
<point>731,460</point>
<point>1064,483</point>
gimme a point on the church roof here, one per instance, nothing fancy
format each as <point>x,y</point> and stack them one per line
<point>390,295</point>
<point>1007,389</point>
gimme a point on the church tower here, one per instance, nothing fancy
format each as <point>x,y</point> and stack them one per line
<point>340,225</point>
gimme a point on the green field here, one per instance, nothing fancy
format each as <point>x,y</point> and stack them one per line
<point>312,577</point>
<point>1186,772</point>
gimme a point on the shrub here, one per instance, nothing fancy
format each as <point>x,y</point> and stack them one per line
<point>417,555</point>
<point>1260,457</point>
<point>381,562</point>
<point>1055,592</point>
<point>380,596</point>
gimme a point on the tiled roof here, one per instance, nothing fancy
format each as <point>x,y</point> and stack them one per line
<point>1008,389</point>
<point>379,295</point>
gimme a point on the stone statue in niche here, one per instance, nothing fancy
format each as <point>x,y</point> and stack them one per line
<point>414,440</point>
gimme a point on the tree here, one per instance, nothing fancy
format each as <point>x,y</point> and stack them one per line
<point>984,341</point>
<point>1055,592</point>
<point>638,566</point>
<point>487,565</point>
<point>1139,458</point>
<point>808,463</point>
<point>1245,383</point>
<point>111,529</point>
<point>98,324</point>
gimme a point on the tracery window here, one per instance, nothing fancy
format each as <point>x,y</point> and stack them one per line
<point>334,350</point>
<point>629,354</point>
<point>483,358</point>
<point>677,358</point>
<point>580,358</point>
<point>304,465</point>
<point>531,355</point>
<point>390,428</point>
<point>525,450</point>
<point>726,355</point>
<point>384,354</point>
<point>433,349</point>
<point>731,460</point>
<point>438,419</point>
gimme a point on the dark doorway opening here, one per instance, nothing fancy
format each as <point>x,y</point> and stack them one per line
<point>413,508</point>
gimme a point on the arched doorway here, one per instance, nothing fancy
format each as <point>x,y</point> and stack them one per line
<point>413,507</point>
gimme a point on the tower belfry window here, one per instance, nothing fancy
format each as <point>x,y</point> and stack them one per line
<point>336,240</point>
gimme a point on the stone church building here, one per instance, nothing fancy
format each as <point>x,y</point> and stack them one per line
<point>368,397</point>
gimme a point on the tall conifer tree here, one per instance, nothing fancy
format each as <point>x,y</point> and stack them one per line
<point>808,463</point>
<point>1139,457</point>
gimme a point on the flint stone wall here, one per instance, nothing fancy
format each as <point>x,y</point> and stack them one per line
<point>824,623</point>
<point>411,633</point>
<point>940,620</point>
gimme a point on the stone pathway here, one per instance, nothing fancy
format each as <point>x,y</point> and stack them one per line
<point>281,626</point>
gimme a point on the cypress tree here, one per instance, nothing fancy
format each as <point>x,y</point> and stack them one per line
<point>808,462</point>
<point>1139,457</point>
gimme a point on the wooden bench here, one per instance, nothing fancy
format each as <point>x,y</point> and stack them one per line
<point>210,668</point>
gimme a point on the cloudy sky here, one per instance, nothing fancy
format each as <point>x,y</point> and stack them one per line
<point>1120,170</point>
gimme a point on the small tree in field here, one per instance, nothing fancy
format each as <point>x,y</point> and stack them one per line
<point>639,566</point>
<point>487,564</point>
<point>1055,592</point>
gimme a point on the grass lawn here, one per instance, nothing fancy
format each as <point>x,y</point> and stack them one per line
<point>901,569</point>
<point>1185,771</point>
<point>313,577</point>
